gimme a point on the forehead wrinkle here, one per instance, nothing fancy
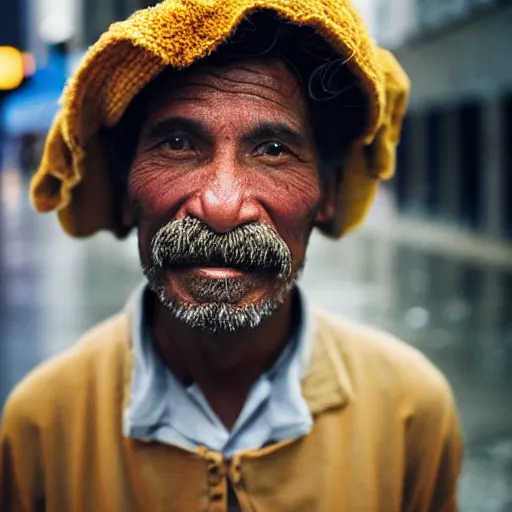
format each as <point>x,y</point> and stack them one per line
<point>154,115</point>
<point>262,79</point>
<point>245,83</point>
<point>273,77</point>
<point>269,82</point>
<point>182,95</point>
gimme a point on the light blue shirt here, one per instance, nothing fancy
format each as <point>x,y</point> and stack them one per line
<point>162,409</point>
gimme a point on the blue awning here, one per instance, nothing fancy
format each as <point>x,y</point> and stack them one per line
<point>32,108</point>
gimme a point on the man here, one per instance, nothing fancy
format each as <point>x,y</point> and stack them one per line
<point>224,135</point>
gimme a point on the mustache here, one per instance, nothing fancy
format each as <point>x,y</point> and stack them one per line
<point>190,242</point>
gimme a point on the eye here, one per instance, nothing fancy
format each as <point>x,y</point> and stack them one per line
<point>177,143</point>
<point>272,148</point>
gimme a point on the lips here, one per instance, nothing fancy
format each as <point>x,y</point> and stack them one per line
<point>191,262</point>
<point>226,273</point>
<point>218,272</point>
<point>218,268</point>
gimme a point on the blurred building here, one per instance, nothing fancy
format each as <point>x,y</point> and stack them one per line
<point>455,159</point>
<point>14,42</point>
<point>97,15</point>
<point>12,21</point>
<point>42,33</point>
<point>366,9</point>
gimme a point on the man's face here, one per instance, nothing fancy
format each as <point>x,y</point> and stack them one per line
<point>224,188</point>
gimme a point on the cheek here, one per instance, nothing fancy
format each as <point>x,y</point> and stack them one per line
<point>151,196</point>
<point>292,201</point>
<point>151,188</point>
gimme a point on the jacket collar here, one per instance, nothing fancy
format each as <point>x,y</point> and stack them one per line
<point>326,383</point>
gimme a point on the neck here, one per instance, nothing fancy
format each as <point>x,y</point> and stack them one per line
<point>223,365</point>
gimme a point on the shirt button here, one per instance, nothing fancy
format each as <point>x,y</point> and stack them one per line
<point>215,470</point>
<point>215,476</point>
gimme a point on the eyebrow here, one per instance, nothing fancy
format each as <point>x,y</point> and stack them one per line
<point>279,131</point>
<point>163,128</point>
<point>263,131</point>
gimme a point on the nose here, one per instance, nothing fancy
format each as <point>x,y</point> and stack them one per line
<point>223,200</point>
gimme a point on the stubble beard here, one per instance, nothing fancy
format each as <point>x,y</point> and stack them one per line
<point>216,311</point>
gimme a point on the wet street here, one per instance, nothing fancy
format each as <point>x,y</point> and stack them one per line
<point>454,306</point>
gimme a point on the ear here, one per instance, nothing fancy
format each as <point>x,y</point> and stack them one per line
<point>328,208</point>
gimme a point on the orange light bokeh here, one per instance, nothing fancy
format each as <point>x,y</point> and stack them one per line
<point>12,70</point>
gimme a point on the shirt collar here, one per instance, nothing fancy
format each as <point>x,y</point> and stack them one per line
<point>325,379</point>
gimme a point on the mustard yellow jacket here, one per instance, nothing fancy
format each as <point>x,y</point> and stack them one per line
<point>385,437</point>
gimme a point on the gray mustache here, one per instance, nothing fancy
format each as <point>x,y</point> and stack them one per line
<point>190,242</point>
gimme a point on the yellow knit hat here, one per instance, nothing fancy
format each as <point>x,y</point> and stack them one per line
<point>73,177</point>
